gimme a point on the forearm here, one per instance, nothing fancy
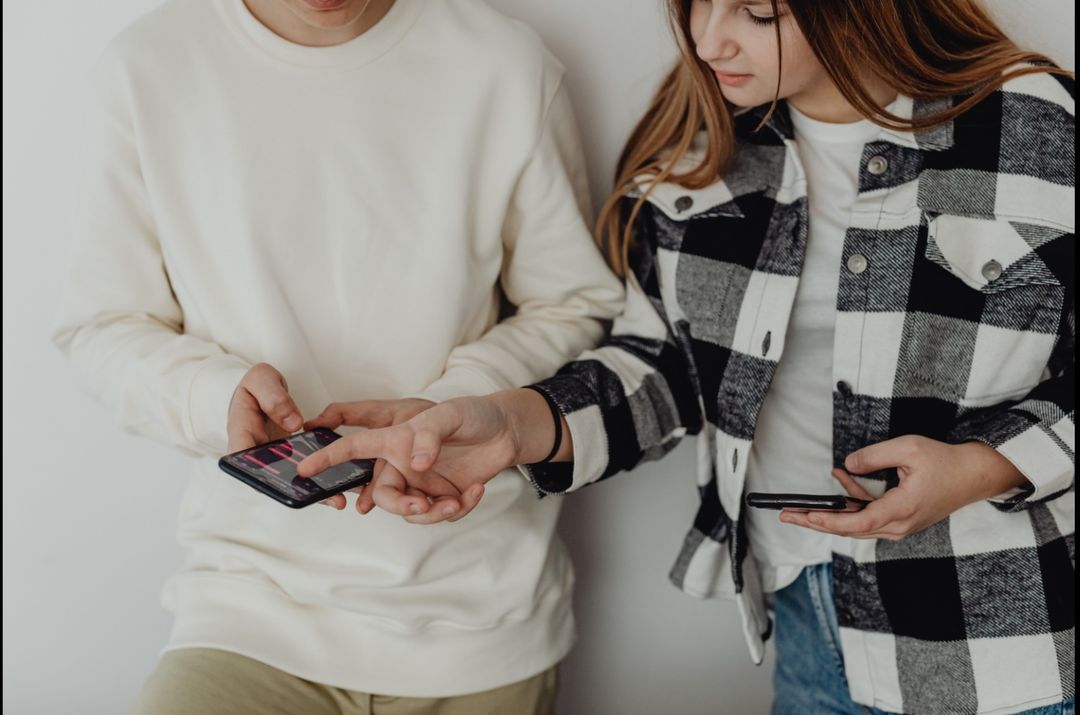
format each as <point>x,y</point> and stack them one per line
<point>553,274</point>
<point>524,348</point>
<point>160,383</point>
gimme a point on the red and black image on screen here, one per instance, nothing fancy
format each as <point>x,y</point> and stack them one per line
<point>275,464</point>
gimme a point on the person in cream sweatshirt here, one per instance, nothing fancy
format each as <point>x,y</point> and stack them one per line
<point>334,196</point>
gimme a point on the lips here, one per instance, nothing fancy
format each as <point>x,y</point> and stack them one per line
<point>325,4</point>
<point>732,79</point>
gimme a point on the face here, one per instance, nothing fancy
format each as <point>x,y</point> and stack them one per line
<point>737,39</point>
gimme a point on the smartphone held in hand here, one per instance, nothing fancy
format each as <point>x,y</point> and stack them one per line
<point>271,469</point>
<point>805,502</point>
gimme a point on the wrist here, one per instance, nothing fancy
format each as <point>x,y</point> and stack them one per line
<point>529,423</point>
<point>992,473</point>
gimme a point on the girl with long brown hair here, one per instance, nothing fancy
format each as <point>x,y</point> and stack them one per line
<point>847,230</point>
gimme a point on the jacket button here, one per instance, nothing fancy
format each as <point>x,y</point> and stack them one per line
<point>857,263</point>
<point>992,271</point>
<point>877,165</point>
<point>683,203</point>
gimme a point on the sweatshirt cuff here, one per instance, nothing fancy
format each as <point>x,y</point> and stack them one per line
<point>211,390</point>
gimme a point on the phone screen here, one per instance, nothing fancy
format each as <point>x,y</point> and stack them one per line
<point>272,467</point>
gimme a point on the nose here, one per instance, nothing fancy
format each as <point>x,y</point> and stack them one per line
<point>716,43</point>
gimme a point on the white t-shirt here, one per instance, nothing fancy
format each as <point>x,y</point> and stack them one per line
<point>346,215</point>
<point>792,449</point>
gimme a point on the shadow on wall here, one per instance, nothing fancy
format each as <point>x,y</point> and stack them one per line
<point>644,647</point>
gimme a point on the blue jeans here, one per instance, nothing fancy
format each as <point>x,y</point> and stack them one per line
<point>809,677</point>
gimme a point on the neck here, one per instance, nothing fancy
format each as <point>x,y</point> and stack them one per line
<point>825,103</point>
<point>354,20</point>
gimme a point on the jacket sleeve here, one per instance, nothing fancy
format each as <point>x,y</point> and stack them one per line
<point>633,398</point>
<point>1038,433</point>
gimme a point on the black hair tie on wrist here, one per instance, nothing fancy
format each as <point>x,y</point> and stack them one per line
<point>557,416</point>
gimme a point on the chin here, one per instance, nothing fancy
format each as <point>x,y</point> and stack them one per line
<point>328,23</point>
<point>743,98</point>
<point>336,15</point>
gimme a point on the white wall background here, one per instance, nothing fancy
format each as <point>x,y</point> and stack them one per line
<point>82,565</point>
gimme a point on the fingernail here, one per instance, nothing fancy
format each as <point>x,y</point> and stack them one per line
<point>414,508</point>
<point>292,423</point>
<point>419,457</point>
<point>449,511</point>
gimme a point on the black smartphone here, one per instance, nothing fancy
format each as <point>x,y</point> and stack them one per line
<point>805,502</point>
<point>271,468</point>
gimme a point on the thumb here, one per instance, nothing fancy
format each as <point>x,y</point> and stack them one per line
<point>430,430</point>
<point>876,457</point>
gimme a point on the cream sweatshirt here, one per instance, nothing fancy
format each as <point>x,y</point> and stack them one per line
<point>348,215</point>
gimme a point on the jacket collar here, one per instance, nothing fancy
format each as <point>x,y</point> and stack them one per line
<point>938,138</point>
<point>680,203</point>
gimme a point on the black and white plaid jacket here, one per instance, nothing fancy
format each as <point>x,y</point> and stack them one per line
<point>956,321</point>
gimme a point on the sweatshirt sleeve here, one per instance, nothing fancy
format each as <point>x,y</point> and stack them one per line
<point>119,322</point>
<point>552,271</point>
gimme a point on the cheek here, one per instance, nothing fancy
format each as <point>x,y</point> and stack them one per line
<point>758,47</point>
<point>699,19</point>
<point>801,66</point>
<point>796,78</point>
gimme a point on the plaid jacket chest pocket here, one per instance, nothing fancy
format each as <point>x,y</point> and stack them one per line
<point>997,307</point>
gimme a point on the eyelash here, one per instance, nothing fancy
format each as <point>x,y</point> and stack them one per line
<point>758,20</point>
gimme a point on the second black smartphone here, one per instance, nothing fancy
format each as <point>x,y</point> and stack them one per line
<point>805,502</point>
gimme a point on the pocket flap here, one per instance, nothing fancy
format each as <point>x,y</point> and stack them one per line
<point>986,254</point>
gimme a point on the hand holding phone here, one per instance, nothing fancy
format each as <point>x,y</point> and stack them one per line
<point>271,469</point>
<point>261,409</point>
<point>805,502</point>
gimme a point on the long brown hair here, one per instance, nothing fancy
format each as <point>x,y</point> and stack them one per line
<point>925,49</point>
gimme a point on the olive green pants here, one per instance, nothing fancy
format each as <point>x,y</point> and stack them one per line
<point>204,681</point>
